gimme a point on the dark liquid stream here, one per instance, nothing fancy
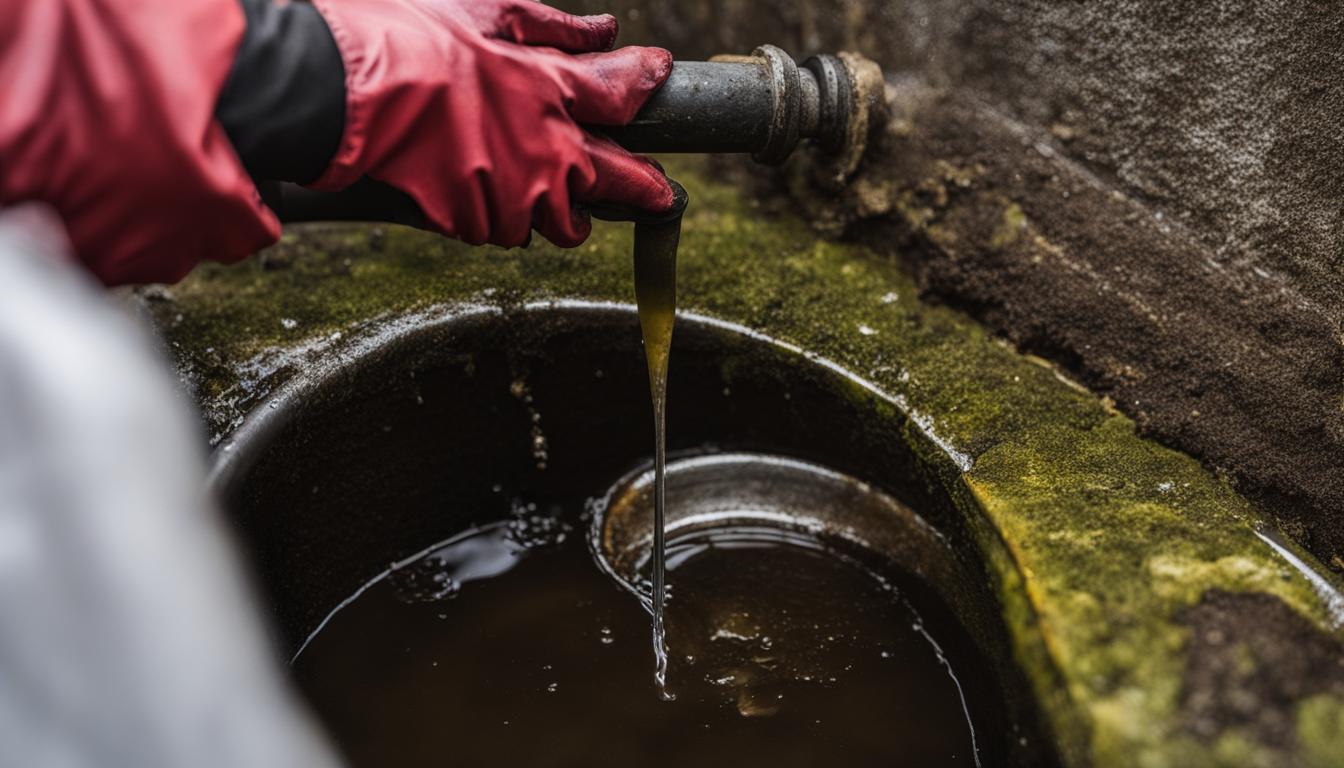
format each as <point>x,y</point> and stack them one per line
<point>486,652</point>
<point>656,297</point>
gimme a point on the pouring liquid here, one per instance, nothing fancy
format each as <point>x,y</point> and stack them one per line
<point>656,238</point>
<point>656,298</point>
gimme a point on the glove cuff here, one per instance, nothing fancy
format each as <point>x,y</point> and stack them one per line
<point>343,170</point>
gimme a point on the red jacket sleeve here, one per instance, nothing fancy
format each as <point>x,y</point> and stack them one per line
<point>107,114</point>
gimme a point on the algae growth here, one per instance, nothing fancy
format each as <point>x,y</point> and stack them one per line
<point>1096,540</point>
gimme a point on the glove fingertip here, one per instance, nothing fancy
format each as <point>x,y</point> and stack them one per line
<point>656,64</point>
<point>564,230</point>
<point>664,57</point>
<point>580,227</point>
<point>656,194</point>
<point>652,192</point>
<point>664,197</point>
<point>603,28</point>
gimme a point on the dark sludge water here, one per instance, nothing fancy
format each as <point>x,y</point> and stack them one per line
<point>509,648</point>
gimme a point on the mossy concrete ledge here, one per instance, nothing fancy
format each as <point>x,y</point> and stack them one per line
<point>1159,621</point>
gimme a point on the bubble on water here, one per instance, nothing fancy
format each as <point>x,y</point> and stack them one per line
<point>426,580</point>
<point>552,687</point>
<point>289,323</point>
<point>530,528</point>
<point>538,439</point>
<point>539,445</point>
<point>606,638</point>
<point>750,705</point>
<point>723,633</point>
<point>867,330</point>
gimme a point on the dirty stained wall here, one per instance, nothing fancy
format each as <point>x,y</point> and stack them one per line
<point>1149,193</point>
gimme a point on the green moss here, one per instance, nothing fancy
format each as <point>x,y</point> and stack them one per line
<point>1320,732</point>
<point>1010,227</point>
<point>1117,536</point>
<point>1096,539</point>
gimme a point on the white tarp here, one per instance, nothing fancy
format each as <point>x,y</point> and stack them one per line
<point>128,637</point>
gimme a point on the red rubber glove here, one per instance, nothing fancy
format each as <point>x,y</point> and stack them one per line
<point>107,114</point>
<point>473,108</point>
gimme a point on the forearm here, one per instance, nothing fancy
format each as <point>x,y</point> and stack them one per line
<point>283,105</point>
<point>107,115</point>
<point>149,124</point>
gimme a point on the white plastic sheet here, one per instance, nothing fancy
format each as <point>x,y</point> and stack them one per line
<point>128,637</point>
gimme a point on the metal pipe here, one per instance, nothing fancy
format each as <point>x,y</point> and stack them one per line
<point>704,106</point>
<point>762,104</point>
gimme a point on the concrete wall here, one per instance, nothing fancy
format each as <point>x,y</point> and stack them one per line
<point>1177,169</point>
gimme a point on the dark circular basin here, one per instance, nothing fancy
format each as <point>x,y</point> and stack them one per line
<point>432,428</point>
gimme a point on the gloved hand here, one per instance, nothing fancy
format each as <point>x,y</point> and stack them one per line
<point>473,108</point>
<point>106,115</point>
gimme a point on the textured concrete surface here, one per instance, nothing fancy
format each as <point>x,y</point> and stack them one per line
<point>1179,172</point>
<point>1228,115</point>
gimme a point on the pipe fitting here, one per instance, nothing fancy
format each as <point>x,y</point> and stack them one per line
<point>763,104</point>
<point>786,114</point>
